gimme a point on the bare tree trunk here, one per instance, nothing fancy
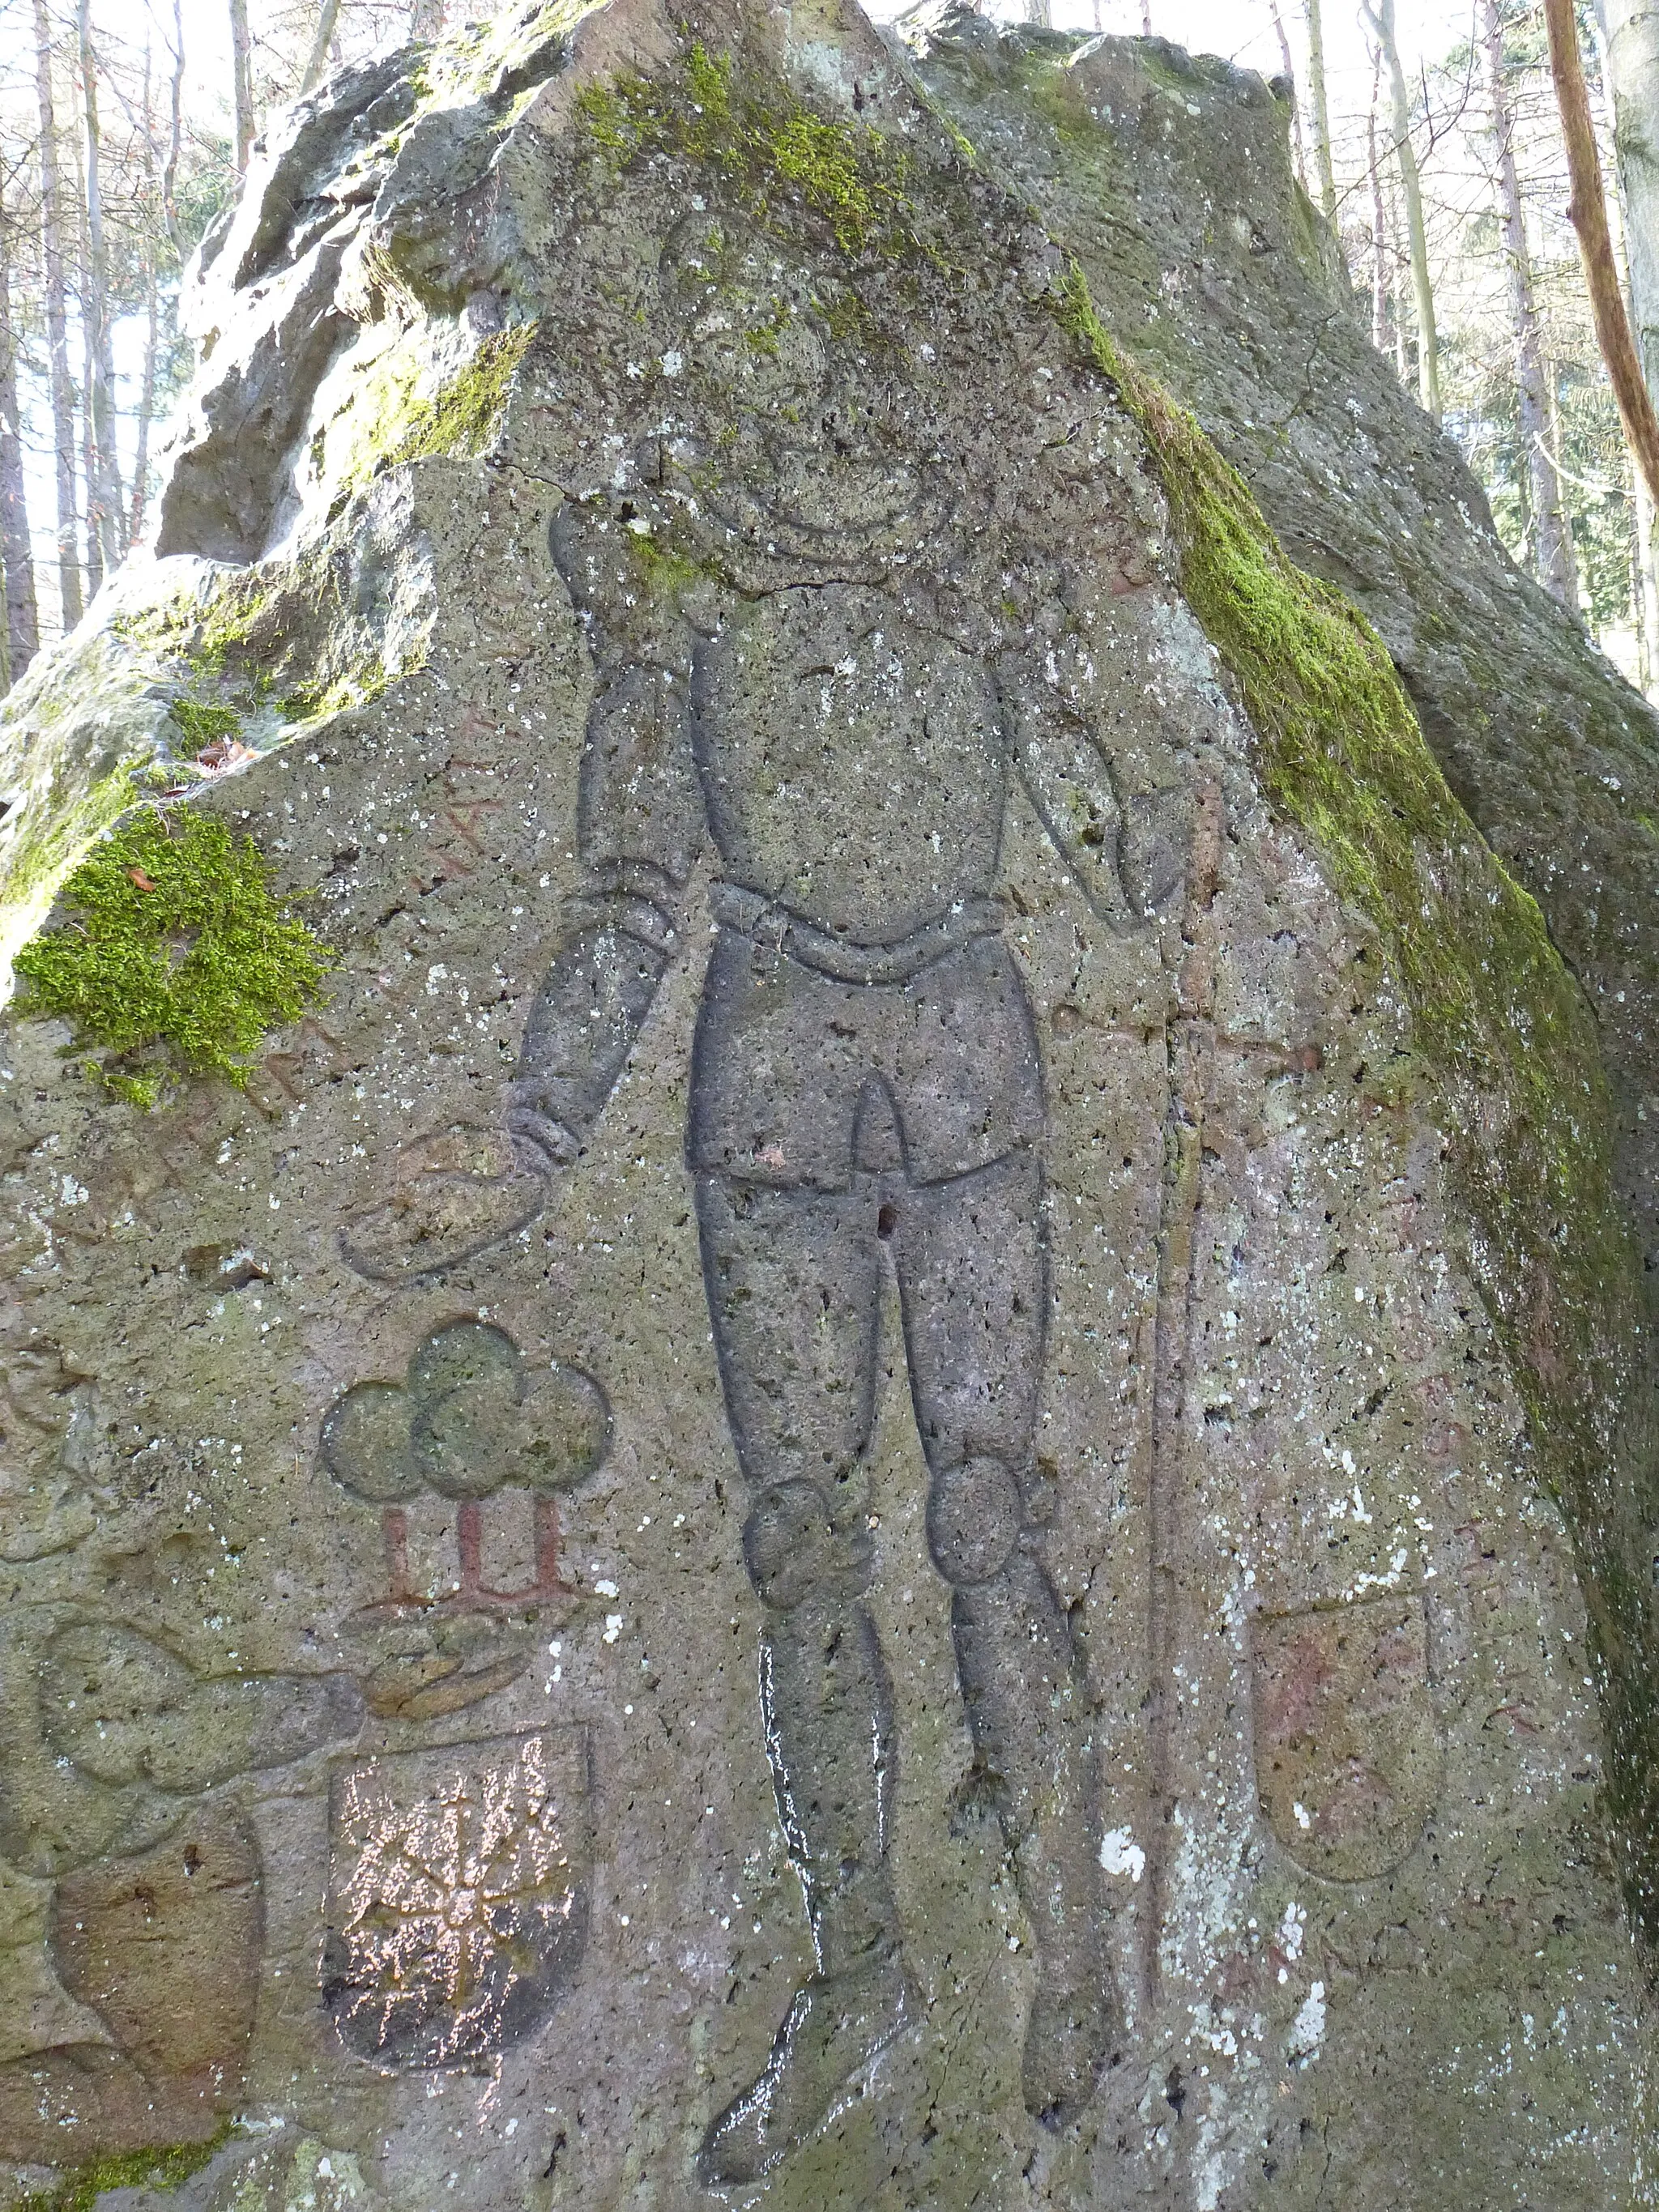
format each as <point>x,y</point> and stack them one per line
<point>1380,336</point>
<point>175,133</point>
<point>1647,583</point>
<point>95,311</point>
<point>57,306</point>
<point>152,317</point>
<point>22,623</point>
<point>1322,108</point>
<point>425,17</point>
<point>1589,212</point>
<point>1380,17</point>
<point>327,17</point>
<point>1296,105</point>
<point>1552,539</point>
<point>1631,30</point>
<point>90,476</point>
<point>241,65</point>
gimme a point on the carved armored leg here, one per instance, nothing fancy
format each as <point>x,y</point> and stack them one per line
<point>971,1269</point>
<point>792,1287</point>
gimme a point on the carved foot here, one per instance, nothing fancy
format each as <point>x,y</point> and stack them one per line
<point>838,2024</point>
<point>1072,2037</point>
<point>455,1195</point>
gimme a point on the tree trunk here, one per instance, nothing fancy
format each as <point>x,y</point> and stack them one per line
<point>108,507</point>
<point>152,317</point>
<point>1551,542</point>
<point>241,64</point>
<point>1380,335</point>
<point>1322,108</point>
<point>22,625</point>
<point>1632,72</point>
<point>327,17</point>
<point>57,308</point>
<point>175,133</point>
<point>1380,17</point>
<point>1296,105</point>
<point>1589,212</point>
<point>425,17</point>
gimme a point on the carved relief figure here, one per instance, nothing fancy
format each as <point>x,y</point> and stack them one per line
<point>127,1817</point>
<point>793,664</point>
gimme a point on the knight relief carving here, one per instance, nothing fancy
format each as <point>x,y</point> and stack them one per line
<point>806,1501</point>
<point>789,675</point>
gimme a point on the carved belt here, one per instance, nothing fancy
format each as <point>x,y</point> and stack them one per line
<point>844,959</point>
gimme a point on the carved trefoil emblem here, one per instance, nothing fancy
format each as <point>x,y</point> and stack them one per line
<point>1348,1752</point>
<point>459,1895</point>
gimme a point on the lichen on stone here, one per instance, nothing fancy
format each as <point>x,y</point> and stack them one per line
<point>172,953</point>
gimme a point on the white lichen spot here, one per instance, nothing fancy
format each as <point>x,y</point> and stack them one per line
<point>1308,2028</point>
<point>1120,1854</point>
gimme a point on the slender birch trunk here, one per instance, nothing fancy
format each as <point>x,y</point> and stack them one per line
<point>1381,19</point>
<point>1321,109</point>
<point>327,17</point>
<point>95,311</point>
<point>1379,338</point>
<point>1296,105</point>
<point>152,315</point>
<point>91,482</point>
<point>56,312</point>
<point>241,65</point>
<point>1552,537</point>
<point>21,628</point>
<point>175,133</point>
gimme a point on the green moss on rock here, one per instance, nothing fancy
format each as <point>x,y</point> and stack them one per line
<point>172,947</point>
<point>461,419</point>
<point>162,2166</point>
<point>766,143</point>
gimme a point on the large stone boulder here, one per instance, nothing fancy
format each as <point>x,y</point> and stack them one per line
<point>825,1341</point>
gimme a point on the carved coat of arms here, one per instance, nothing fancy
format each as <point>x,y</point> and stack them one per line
<point>459,1886</point>
<point>1348,1752</point>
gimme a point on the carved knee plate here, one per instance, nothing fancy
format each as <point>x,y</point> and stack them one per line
<point>793,1550</point>
<point>974,1519</point>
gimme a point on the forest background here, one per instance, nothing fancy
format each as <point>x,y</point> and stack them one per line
<point>1427,130</point>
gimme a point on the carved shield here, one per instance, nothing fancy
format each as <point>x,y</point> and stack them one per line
<point>459,1884</point>
<point>1348,1748</point>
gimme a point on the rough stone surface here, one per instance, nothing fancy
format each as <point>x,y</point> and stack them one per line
<point>850,1144</point>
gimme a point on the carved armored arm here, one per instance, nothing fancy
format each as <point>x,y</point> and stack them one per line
<point>592,1005</point>
<point>640,826</point>
<point>1121,834</point>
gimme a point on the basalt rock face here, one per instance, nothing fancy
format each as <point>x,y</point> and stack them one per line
<point>821,1492</point>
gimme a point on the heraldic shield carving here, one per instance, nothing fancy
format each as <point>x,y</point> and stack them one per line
<point>1348,1753</point>
<point>458,1887</point>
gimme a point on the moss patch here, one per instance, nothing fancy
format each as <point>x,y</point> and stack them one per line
<point>163,2168</point>
<point>39,857</point>
<point>1496,1018</point>
<point>172,949</point>
<point>768,144</point>
<point>203,721</point>
<point>463,417</point>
